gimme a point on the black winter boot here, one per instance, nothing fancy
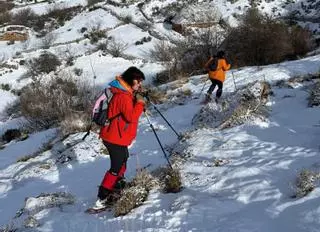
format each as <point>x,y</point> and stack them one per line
<point>103,193</point>
<point>121,184</point>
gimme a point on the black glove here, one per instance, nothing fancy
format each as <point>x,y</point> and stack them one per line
<point>140,98</point>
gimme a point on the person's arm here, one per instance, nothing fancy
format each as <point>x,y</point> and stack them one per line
<point>129,110</point>
<point>225,66</point>
<point>206,66</point>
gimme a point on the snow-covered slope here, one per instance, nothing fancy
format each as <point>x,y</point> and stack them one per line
<point>249,189</point>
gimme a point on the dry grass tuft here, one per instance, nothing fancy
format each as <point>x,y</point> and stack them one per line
<point>314,97</point>
<point>145,179</point>
<point>131,198</point>
<point>249,108</point>
<point>173,182</point>
<point>157,96</point>
<point>136,193</point>
<point>244,106</point>
<point>305,182</point>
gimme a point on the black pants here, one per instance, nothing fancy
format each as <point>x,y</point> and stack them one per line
<point>118,156</point>
<point>213,85</point>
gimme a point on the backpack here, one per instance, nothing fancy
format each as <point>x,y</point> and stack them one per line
<point>100,108</point>
<point>214,64</point>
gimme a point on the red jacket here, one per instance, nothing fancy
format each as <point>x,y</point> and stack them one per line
<point>125,111</point>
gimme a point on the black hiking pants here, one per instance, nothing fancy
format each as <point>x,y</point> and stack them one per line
<point>213,85</point>
<point>118,156</point>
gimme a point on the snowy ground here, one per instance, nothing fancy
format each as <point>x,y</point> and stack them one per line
<point>249,193</point>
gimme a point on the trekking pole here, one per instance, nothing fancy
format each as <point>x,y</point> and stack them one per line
<point>234,82</point>
<point>205,82</point>
<point>88,132</point>
<point>148,99</point>
<point>155,133</point>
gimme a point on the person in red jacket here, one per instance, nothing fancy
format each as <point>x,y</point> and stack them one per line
<point>217,75</point>
<point>124,110</point>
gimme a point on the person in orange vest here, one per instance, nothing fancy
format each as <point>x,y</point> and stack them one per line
<point>216,67</point>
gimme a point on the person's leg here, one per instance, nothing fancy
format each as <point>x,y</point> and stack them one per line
<point>211,88</point>
<point>118,158</point>
<point>121,183</point>
<point>124,164</point>
<point>219,91</point>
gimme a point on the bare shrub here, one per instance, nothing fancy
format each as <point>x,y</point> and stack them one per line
<point>5,17</point>
<point>162,77</point>
<point>95,33</point>
<point>301,41</point>
<point>75,122</point>
<point>246,105</point>
<point>62,14</point>
<point>24,17</point>
<point>173,182</point>
<point>92,2</point>
<point>5,87</point>
<point>13,110</point>
<point>136,194</point>
<point>43,201</point>
<point>6,6</point>
<point>145,179</point>
<point>130,199</point>
<point>187,56</point>
<point>45,63</point>
<point>48,102</point>
<point>157,95</point>
<point>31,222</point>
<point>103,46</point>
<point>248,108</point>
<point>314,96</point>
<point>38,24</point>
<point>259,40</point>
<point>194,53</point>
<point>305,182</point>
<point>78,71</point>
<point>48,40</point>
<point>169,179</point>
<point>265,91</point>
<point>126,18</point>
<point>163,51</point>
<point>144,24</point>
<point>67,54</point>
<point>8,228</point>
<point>11,134</point>
<point>116,48</point>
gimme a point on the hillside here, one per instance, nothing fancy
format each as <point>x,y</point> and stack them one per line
<point>239,160</point>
